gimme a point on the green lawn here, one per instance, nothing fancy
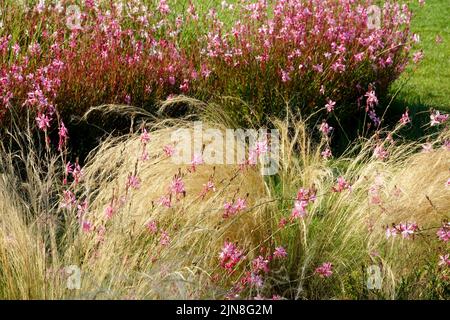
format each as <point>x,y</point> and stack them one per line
<point>428,86</point>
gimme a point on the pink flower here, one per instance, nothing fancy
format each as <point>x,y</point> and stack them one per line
<point>133,182</point>
<point>307,195</point>
<point>165,201</point>
<point>177,186</point>
<point>444,232</point>
<point>83,208</point>
<point>164,239</point>
<point>342,185</point>
<point>330,105</point>
<point>234,208</point>
<point>77,173</point>
<point>299,210</point>
<point>326,154</point>
<point>325,270</point>
<point>69,199</point>
<point>279,252</point>
<point>418,56</point>
<point>255,280</point>
<point>260,264</point>
<point>63,136</point>
<point>260,148</point>
<point>391,232</point>
<point>372,99</point>
<point>209,186</point>
<point>325,128</point>
<point>407,229</point>
<point>43,122</point>
<point>145,136</point>
<point>438,118</point>
<point>230,256</point>
<point>169,150</point>
<point>380,153</point>
<point>152,227</point>
<point>163,7</point>
<point>196,160</point>
<point>285,77</point>
<point>109,211</point>
<point>405,118</point>
<point>87,226</point>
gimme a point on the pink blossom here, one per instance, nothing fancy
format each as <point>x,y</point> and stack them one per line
<point>234,208</point>
<point>69,199</point>
<point>87,226</point>
<point>444,232</point>
<point>165,201</point>
<point>307,195</point>
<point>177,186</point>
<point>299,210</point>
<point>326,154</point>
<point>380,153</point>
<point>133,182</point>
<point>77,173</point>
<point>145,136</point>
<point>418,56</point>
<point>405,118</point>
<point>230,256</point>
<point>438,118</point>
<point>63,136</point>
<point>391,232</point>
<point>325,128</point>
<point>169,150</point>
<point>152,227</point>
<point>197,159</point>
<point>342,185</point>
<point>260,264</point>
<point>255,280</point>
<point>279,252</point>
<point>209,186</point>
<point>43,122</point>
<point>330,105</point>
<point>407,229</point>
<point>260,148</point>
<point>372,99</point>
<point>163,7</point>
<point>164,239</point>
<point>83,208</point>
<point>109,211</point>
<point>325,270</point>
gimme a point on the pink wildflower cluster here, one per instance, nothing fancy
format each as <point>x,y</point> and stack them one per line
<point>341,185</point>
<point>444,232</point>
<point>136,54</point>
<point>313,44</point>
<point>437,118</point>
<point>230,256</point>
<point>230,208</point>
<point>325,270</point>
<point>407,230</point>
<point>303,199</point>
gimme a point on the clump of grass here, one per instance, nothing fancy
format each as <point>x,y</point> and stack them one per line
<point>131,242</point>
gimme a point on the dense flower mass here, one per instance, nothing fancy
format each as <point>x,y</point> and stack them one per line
<point>136,53</point>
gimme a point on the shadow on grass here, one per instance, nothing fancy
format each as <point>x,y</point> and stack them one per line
<point>419,113</point>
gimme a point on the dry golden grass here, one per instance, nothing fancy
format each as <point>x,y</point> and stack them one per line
<point>121,259</point>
